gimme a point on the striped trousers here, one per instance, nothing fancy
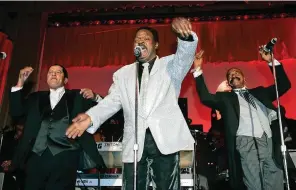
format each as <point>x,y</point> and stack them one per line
<point>259,169</point>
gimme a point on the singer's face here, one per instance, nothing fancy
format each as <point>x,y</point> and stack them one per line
<point>56,77</point>
<point>235,78</point>
<point>145,39</point>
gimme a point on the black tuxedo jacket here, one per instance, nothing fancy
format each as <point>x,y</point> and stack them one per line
<point>228,105</point>
<point>32,107</point>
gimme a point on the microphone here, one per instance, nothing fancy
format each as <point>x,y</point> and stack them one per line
<point>269,46</point>
<point>138,51</point>
<point>3,55</point>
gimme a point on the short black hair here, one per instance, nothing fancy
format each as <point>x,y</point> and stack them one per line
<point>64,70</point>
<point>227,73</point>
<point>152,30</point>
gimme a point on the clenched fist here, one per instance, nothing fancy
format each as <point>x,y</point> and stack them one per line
<point>182,26</point>
<point>23,76</point>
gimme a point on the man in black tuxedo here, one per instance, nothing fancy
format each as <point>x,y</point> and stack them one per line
<point>250,120</point>
<point>49,158</point>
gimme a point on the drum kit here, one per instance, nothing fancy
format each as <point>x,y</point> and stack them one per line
<point>211,158</point>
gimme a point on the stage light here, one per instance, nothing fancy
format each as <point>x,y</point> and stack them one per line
<point>56,24</point>
<point>131,21</point>
<point>111,22</point>
<point>195,19</point>
<point>283,15</point>
<point>238,17</point>
<point>97,22</point>
<point>76,23</point>
<point>260,16</point>
<point>167,20</point>
<point>152,21</point>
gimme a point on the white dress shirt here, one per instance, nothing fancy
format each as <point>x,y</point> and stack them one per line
<point>55,95</point>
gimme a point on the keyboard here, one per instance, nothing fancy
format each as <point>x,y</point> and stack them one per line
<point>108,180</point>
<point>117,146</point>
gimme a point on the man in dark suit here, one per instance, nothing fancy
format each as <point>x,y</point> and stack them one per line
<point>248,116</point>
<point>49,158</point>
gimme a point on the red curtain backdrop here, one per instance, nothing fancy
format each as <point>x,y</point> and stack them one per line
<point>5,46</point>
<point>93,53</point>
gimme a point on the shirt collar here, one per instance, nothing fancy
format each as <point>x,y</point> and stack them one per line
<point>59,90</point>
<point>237,90</point>
<point>151,62</point>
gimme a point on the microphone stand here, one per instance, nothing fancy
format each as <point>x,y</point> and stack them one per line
<point>283,146</point>
<point>1,139</point>
<point>136,146</point>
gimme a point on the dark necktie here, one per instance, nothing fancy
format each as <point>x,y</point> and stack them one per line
<point>248,97</point>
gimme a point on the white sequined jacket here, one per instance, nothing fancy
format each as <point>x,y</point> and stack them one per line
<point>164,117</point>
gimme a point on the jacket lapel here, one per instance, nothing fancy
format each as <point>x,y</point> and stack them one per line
<point>129,83</point>
<point>70,96</point>
<point>256,92</point>
<point>235,103</point>
<point>153,91</point>
<point>43,102</point>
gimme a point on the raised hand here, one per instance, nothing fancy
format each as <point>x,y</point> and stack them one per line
<point>6,164</point>
<point>80,123</point>
<point>197,63</point>
<point>23,76</point>
<point>182,26</point>
<point>88,93</point>
<point>266,56</point>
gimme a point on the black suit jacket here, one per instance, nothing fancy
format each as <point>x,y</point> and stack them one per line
<point>228,105</point>
<point>32,107</point>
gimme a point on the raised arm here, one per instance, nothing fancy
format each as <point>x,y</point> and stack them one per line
<point>97,115</point>
<point>187,43</point>
<point>283,81</point>
<point>106,108</point>
<point>17,103</point>
<point>206,98</point>
<point>90,98</point>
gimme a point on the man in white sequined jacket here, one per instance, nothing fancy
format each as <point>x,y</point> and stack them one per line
<point>162,129</point>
